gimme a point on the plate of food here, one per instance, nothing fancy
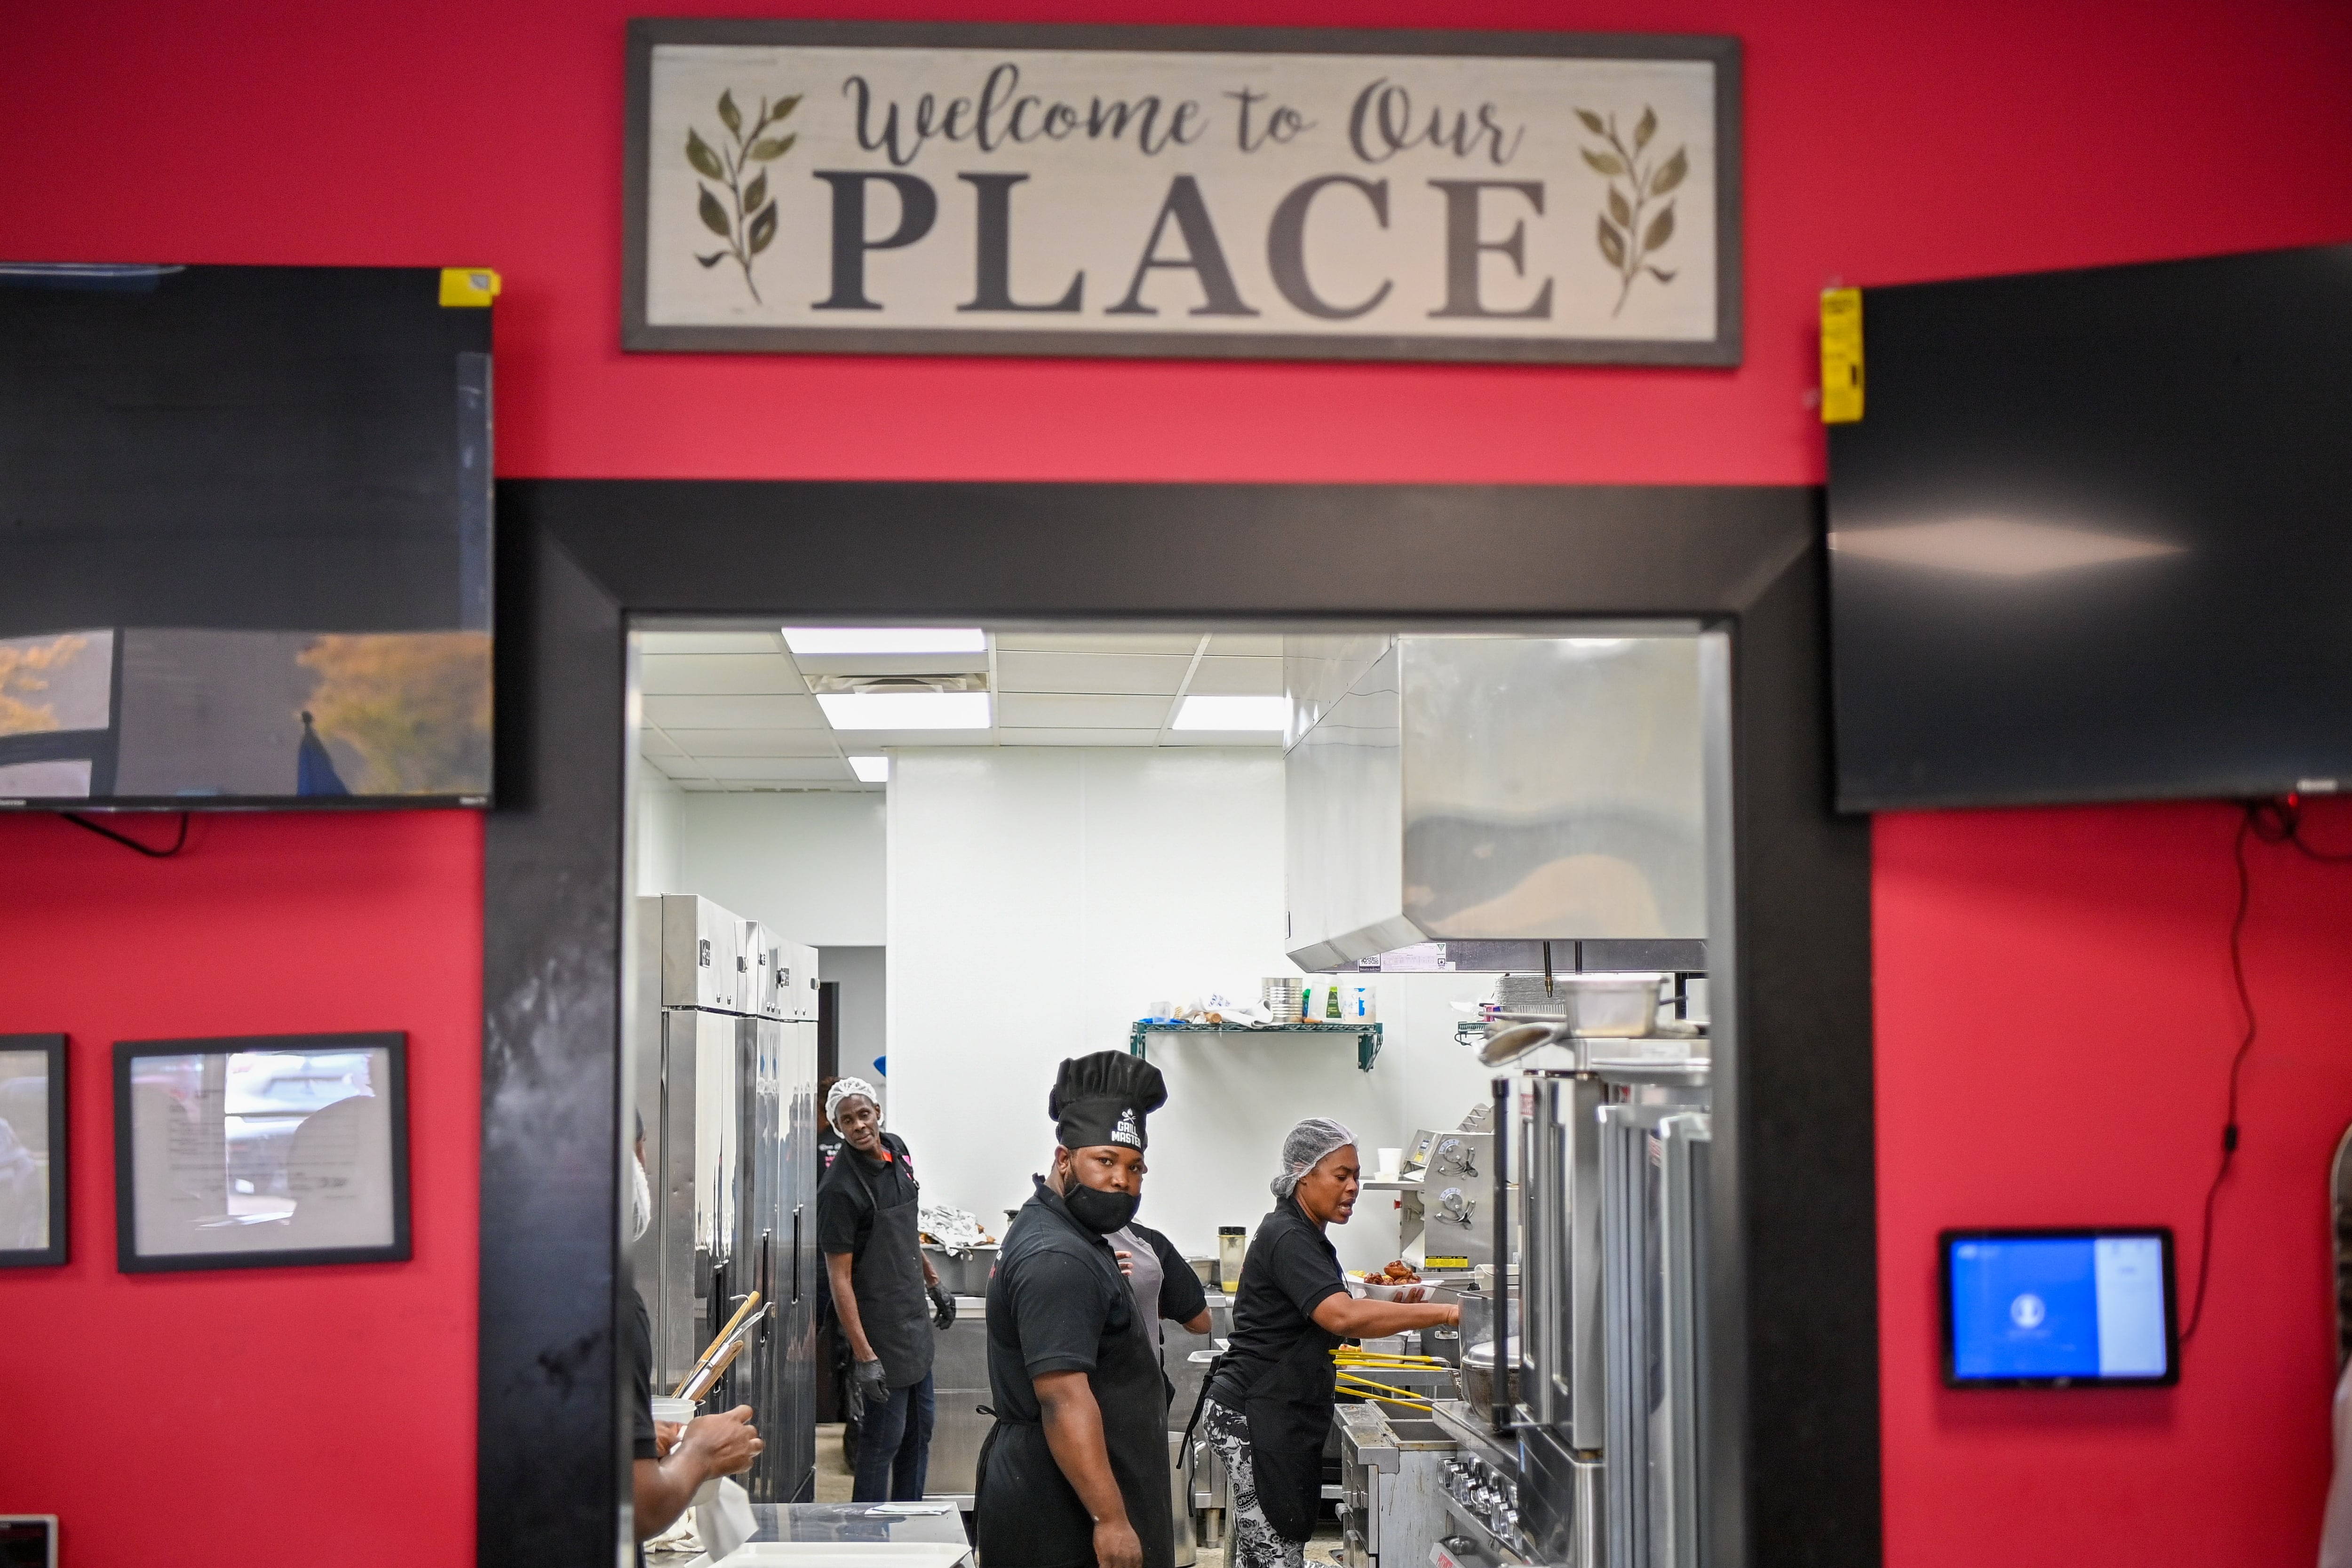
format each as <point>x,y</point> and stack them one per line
<point>1398,1281</point>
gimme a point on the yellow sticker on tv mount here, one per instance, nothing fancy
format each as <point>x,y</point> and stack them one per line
<point>1841,355</point>
<point>468,285</point>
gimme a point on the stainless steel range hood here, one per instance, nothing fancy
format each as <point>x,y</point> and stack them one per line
<point>1480,787</point>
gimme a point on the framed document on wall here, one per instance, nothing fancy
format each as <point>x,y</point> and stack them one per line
<point>32,1150</point>
<point>260,1151</point>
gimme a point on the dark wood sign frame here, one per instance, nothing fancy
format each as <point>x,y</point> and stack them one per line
<point>1723,52</point>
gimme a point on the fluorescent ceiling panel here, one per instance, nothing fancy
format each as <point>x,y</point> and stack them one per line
<point>905,710</point>
<point>1235,713</point>
<point>871,770</point>
<point>886,639</point>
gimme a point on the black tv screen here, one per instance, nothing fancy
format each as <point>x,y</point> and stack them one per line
<point>2092,538</point>
<point>245,537</point>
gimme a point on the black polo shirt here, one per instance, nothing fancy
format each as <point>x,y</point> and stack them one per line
<point>1055,1296</point>
<point>845,1209</point>
<point>1291,1269</point>
<point>638,1348</point>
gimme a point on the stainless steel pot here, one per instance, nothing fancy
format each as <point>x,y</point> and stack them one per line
<point>1478,1378</point>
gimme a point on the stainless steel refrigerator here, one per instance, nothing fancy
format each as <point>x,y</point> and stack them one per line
<point>725,1076</point>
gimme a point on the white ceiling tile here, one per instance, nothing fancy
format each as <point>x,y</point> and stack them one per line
<point>710,642</point>
<point>677,767</point>
<point>718,674</point>
<point>653,742</point>
<point>1024,711</point>
<point>1128,673</point>
<point>700,786</point>
<point>892,664</point>
<point>755,742</point>
<point>1223,738</point>
<point>1245,645</point>
<point>1097,642</point>
<point>735,713</point>
<point>806,769</point>
<point>1078,737</point>
<point>868,742</point>
<point>1223,677</point>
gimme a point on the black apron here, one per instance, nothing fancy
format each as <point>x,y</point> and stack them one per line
<point>1020,1484</point>
<point>1288,1411</point>
<point>886,1275</point>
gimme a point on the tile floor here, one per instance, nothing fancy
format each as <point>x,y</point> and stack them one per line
<point>833,1485</point>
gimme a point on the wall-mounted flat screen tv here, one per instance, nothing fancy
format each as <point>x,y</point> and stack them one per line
<point>244,538</point>
<point>2091,537</point>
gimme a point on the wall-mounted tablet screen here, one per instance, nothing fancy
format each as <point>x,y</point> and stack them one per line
<point>2059,1309</point>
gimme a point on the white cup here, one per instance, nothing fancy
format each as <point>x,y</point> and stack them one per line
<point>676,1411</point>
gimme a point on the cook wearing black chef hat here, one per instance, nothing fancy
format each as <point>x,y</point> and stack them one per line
<point>1075,1470</point>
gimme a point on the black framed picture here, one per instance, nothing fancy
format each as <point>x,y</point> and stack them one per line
<point>260,1150</point>
<point>32,1150</point>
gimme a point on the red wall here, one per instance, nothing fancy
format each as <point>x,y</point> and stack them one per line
<point>1884,143</point>
<point>302,1414</point>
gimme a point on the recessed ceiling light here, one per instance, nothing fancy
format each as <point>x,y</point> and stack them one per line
<point>905,710</point>
<point>871,770</point>
<point>819,640</point>
<point>1233,713</point>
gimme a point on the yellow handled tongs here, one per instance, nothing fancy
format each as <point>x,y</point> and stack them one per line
<point>1385,1392</point>
<point>722,1352</point>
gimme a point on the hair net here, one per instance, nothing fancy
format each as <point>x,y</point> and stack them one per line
<point>1304,1149</point>
<point>843,1089</point>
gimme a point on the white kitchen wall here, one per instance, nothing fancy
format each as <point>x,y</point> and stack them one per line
<point>862,974</point>
<point>1041,897</point>
<point>809,865</point>
<point>658,802</point>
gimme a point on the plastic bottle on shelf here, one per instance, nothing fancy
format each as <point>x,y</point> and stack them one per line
<point>1332,1011</point>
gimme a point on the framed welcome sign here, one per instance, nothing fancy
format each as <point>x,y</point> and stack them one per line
<point>819,187</point>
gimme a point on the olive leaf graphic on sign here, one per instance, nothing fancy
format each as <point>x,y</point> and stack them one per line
<point>1630,233</point>
<point>746,218</point>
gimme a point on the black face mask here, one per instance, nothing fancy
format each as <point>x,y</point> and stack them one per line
<point>1100,1211</point>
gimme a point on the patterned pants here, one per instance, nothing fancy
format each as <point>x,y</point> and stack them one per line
<point>1250,1541</point>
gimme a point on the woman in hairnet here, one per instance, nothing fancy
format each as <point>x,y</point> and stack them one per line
<point>1268,1401</point>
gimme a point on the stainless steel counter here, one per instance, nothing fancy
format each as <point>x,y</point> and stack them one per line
<point>851,1521</point>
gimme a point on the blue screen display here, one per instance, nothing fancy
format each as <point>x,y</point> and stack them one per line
<point>2073,1306</point>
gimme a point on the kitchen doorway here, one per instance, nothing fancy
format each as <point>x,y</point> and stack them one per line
<point>581,560</point>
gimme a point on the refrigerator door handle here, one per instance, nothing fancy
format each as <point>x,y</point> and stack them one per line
<point>796,1254</point>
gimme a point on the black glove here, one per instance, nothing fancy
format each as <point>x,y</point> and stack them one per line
<point>942,1307</point>
<point>871,1382</point>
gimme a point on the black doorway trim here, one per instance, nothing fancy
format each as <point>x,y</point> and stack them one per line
<point>1795,1337</point>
